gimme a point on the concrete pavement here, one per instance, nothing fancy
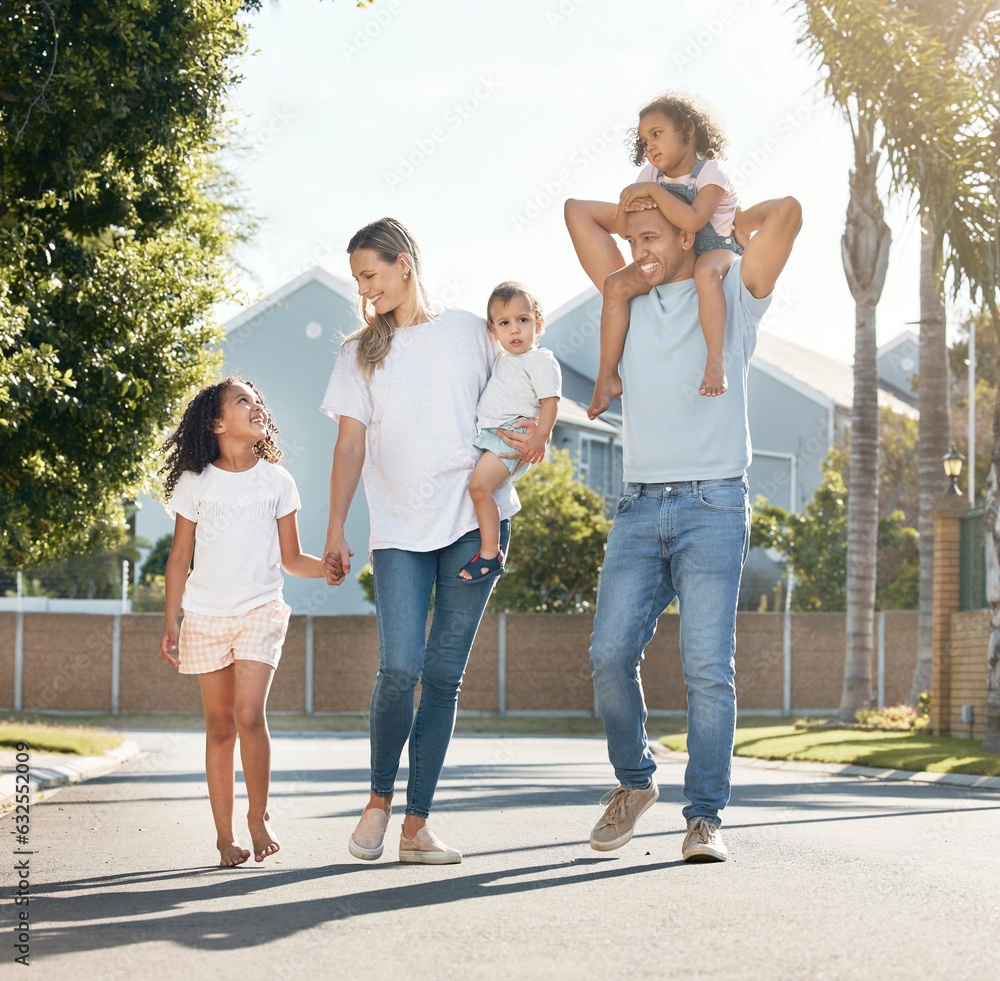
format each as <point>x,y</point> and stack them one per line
<point>830,877</point>
<point>50,770</point>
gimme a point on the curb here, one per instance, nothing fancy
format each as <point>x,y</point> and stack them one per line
<point>48,770</point>
<point>967,780</point>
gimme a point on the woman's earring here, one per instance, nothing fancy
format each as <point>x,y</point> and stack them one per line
<point>406,275</point>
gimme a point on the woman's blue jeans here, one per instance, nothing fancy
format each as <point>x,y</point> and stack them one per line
<point>404,582</point>
<point>688,540</point>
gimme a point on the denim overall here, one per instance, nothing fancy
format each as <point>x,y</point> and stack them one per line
<point>706,238</point>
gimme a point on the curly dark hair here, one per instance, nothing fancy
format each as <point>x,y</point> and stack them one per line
<point>691,117</point>
<point>193,444</point>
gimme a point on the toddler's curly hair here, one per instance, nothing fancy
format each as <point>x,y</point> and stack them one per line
<point>691,116</point>
<point>193,444</point>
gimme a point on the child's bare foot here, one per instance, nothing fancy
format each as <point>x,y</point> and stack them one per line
<point>264,842</point>
<point>231,853</point>
<point>715,381</point>
<point>605,389</point>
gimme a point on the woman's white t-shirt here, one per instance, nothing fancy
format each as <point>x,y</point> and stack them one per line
<point>237,556</point>
<point>419,413</point>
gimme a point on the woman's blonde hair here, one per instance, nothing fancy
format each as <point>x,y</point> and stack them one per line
<point>388,239</point>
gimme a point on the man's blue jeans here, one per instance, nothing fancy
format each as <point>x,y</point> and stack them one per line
<point>408,654</point>
<point>687,540</point>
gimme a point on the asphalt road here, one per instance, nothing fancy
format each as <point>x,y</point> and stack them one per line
<point>829,877</point>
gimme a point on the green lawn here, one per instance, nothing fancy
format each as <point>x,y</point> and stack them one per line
<point>917,751</point>
<point>299,722</point>
<point>44,737</point>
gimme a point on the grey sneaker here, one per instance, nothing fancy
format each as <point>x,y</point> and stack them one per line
<point>703,842</point>
<point>625,807</point>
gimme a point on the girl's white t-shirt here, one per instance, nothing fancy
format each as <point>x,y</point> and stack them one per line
<point>711,173</point>
<point>237,556</point>
<point>419,413</point>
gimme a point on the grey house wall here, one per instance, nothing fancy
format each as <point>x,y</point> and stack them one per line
<point>573,333</point>
<point>792,434</point>
<point>898,363</point>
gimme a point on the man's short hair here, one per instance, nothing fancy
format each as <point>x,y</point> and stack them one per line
<point>660,213</point>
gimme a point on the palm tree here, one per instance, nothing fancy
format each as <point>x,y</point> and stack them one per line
<point>891,78</point>
<point>966,32</point>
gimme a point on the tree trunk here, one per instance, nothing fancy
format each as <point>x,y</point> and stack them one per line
<point>865,253</point>
<point>933,441</point>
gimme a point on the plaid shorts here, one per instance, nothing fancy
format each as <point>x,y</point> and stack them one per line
<point>213,643</point>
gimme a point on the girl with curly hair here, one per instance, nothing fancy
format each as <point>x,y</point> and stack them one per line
<point>682,144</point>
<point>229,492</point>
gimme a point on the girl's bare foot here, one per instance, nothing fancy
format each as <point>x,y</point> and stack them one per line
<point>605,389</point>
<point>715,381</point>
<point>231,853</point>
<point>264,842</point>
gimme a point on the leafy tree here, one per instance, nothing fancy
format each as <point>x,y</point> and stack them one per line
<point>897,477</point>
<point>815,545</point>
<point>96,574</point>
<point>114,234</point>
<point>987,360</point>
<point>155,563</point>
<point>985,395</point>
<point>557,543</point>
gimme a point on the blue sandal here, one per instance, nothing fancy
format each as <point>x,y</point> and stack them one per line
<point>480,569</point>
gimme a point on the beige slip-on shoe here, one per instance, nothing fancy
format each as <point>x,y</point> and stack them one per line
<point>366,842</point>
<point>426,847</point>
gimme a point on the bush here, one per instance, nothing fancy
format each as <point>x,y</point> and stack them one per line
<point>557,544</point>
<point>896,718</point>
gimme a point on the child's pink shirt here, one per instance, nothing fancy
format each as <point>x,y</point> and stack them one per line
<point>711,173</point>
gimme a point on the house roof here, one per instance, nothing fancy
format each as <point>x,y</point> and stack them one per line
<point>823,375</point>
<point>570,305</point>
<point>906,337</point>
<point>316,274</point>
<point>572,413</point>
<point>578,387</point>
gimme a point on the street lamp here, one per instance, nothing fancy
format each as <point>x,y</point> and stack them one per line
<point>952,462</point>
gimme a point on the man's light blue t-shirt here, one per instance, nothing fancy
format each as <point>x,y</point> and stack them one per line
<point>670,432</point>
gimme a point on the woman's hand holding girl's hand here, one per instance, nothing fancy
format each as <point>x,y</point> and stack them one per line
<point>637,197</point>
<point>337,561</point>
<point>168,644</point>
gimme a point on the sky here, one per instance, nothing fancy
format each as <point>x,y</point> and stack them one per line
<point>473,122</point>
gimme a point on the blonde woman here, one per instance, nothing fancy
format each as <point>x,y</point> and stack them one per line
<point>404,392</point>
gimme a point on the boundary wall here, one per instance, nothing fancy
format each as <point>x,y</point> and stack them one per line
<point>521,664</point>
